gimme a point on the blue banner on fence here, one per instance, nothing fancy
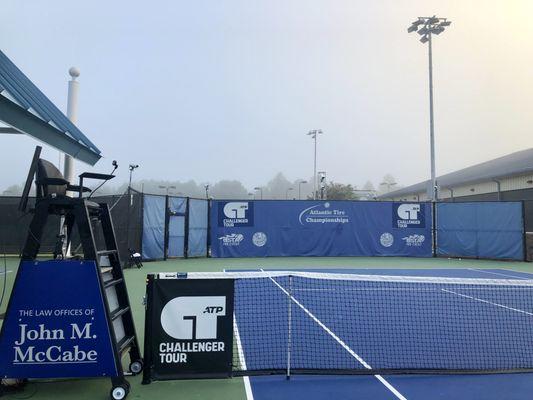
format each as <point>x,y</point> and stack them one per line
<point>320,228</point>
<point>153,239</point>
<point>56,324</point>
<point>480,230</point>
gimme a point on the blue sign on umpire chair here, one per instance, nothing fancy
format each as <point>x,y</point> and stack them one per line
<point>56,325</point>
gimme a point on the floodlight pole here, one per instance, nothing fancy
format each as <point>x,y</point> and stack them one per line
<point>431,124</point>
<point>72,114</point>
<point>314,133</point>
<point>427,27</point>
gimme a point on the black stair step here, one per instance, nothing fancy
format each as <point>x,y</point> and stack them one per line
<point>106,252</point>
<point>117,313</point>
<point>113,282</point>
<point>124,343</point>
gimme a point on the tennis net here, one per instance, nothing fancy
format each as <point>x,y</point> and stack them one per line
<point>304,322</point>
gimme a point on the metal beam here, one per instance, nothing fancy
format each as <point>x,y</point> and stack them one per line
<point>10,130</point>
<point>27,123</point>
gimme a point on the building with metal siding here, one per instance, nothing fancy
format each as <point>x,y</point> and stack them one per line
<point>504,178</point>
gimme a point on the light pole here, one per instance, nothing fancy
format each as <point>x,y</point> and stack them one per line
<point>251,195</point>
<point>287,193</point>
<point>300,189</point>
<point>207,191</point>
<point>260,189</point>
<point>132,167</point>
<point>427,27</point>
<point>322,175</point>
<point>314,133</point>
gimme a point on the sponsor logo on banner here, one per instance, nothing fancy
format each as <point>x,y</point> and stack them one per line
<point>194,319</point>
<point>414,240</point>
<point>386,239</point>
<point>233,239</point>
<point>235,213</point>
<point>70,345</point>
<point>259,239</point>
<point>323,214</point>
<point>408,215</point>
<point>191,322</point>
<point>51,331</point>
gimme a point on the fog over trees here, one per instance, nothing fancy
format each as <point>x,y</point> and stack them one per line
<point>279,188</point>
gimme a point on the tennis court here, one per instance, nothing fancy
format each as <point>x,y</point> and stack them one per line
<point>459,320</point>
<point>308,387</point>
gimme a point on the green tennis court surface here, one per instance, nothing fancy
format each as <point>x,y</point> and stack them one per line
<point>225,388</point>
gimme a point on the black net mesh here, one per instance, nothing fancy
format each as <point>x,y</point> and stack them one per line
<point>126,212</point>
<point>333,323</point>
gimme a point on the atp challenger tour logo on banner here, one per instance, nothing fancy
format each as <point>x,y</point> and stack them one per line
<point>192,327</point>
<point>408,215</point>
<point>235,214</point>
<point>323,214</point>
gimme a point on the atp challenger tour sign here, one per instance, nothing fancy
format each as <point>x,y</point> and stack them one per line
<point>55,324</point>
<point>189,328</point>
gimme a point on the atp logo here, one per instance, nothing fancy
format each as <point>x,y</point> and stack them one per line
<point>408,211</point>
<point>408,215</point>
<point>193,317</point>
<point>235,213</point>
<point>236,210</point>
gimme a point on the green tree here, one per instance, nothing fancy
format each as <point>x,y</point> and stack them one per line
<point>340,191</point>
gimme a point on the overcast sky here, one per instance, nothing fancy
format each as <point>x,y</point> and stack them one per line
<point>211,90</point>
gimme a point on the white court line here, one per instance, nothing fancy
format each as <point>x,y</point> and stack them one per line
<point>487,302</point>
<point>339,340</point>
<point>7,272</point>
<point>242,359</point>
<point>497,273</point>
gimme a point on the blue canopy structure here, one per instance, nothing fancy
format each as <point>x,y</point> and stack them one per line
<point>24,107</point>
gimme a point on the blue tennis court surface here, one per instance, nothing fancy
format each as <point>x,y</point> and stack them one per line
<point>365,345</point>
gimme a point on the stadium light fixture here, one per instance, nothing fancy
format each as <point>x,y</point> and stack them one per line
<point>260,189</point>
<point>132,167</point>
<point>287,193</point>
<point>430,26</point>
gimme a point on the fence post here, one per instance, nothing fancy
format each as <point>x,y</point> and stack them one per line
<point>167,223</point>
<point>186,238</point>
<point>208,245</point>
<point>289,333</point>
<point>524,233</point>
<point>434,228</point>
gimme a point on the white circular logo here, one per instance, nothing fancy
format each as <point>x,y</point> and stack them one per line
<point>326,205</point>
<point>386,239</point>
<point>259,239</point>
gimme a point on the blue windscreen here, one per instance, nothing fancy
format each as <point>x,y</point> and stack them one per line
<point>198,210</point>
<point>176,226</point>
<point>481,230</point>
<point>153,240</point>
<point>320,228</point>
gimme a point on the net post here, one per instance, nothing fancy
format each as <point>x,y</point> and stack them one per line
<point>289,333</point>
